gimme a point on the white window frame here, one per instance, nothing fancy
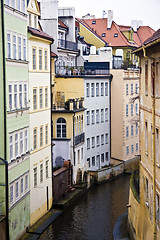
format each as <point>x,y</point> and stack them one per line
<point>106,89</point>
<point>97,89</point>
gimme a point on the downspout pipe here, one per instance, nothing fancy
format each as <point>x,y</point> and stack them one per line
<point>5,121</point>
<point>153,138</point>
<point>74,138</point>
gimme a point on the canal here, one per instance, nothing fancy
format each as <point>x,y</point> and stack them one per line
<point>94,216</point>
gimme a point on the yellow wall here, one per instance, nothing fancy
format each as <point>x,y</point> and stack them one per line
<point>89,37</point>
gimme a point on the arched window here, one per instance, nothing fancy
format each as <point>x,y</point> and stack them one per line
<point>61,128</point>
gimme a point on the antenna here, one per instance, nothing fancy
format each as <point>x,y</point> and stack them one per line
<point>104,13</point>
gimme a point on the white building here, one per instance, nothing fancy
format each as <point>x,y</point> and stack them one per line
<point>40,116</point>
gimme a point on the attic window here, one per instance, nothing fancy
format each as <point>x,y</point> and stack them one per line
<point>116,35</point>
<point>93,22</point>
<point>103,34</point>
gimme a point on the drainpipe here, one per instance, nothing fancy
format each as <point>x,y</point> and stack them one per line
<point>153,138</point>
<point>5,120</point>
<point>73,138</point>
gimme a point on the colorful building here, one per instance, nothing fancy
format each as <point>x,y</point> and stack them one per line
<point>39,44</point>
<point>144,214</point>
<point>17,124</point>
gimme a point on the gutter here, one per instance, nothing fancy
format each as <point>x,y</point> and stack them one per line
<point>5,120</point>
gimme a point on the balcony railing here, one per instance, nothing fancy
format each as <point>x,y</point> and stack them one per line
<point>79,139</point>
<point>67,45</point>
<point>119,63</point>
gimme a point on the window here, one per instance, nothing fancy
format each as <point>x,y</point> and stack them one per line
<point>98,161</point>
<point>106,138</point>
<point>127,132</point>
<point>30,22</point>
<point>9,45</point>
<point>107,156</point>
<point>21,142</point>
<point>11,147</point>
<point>97,116</point>
<point>136,88</point>
<point>147,192</point>
<point>11,194</point>
<point>157,78</point>
<point>88,143</point>
<point>14,46</point>
<point>61,128</point>
<point>146,77</point>
<point>93,117</point>
<point>93,142</point>
<point>102,158</point>
<point>10,95</point>
<point>87,89</point>
<point>106,89</point>
<point>127,110</point>
<point>35,176</point>
<point>132,148</point>
<point>116,35</point>
<point>102,139</point>
<point>16,145</point>
<point>24,49</point>
<point>34,99</point>
<point>34,58</point>
<point>146,137</point>
<point>15,97</point>
<point>136,147</point>
<point>93,22</point>
<point>13,3</point>
<point>22,186</point>
<point>88,117</point>
<point>20,95</point>
<point>35,21</point>
<point>103,34</point>
<point>136,128</point>
<point>106,114</point>
<point>47,167</point>
<point>17,189</point>
<point>88,160</point>
<point>81,153</point>
<point>97,89</point>
<point>92,89</point>
<point>41,172</point>
<point>102,89</point>
<point>46,97</point>
<point>157,209</point>
<point>93,161</point>
<point>26,182</point>
<point>25,95</point>
<point>41,98</point>
<point>41,136</point>
<point>132,131</point>
<point>157,144</point>
<point>102,115</point>
<point>131,109</point>
<point>26,140</point>
<point>40,59</point>
<point>127,89</point>
<point>46,132</point>
<point>131,88</point>
<point>97,141</point>
<point>46,60</point>
<point>23,6</point>
<point>127,150</point>
<point>35,138</point>
<point>19,48</point>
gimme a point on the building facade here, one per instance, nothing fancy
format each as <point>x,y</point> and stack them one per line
<point>39,116</point>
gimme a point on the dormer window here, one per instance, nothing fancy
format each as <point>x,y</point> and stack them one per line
<point>116,35</point>
<point>94,22</point>
<point>103,34</point>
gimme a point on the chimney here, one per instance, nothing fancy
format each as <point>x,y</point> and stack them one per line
<point>110,19</point>
<point>135,24</point>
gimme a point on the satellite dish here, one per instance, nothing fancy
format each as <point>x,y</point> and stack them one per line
<point>59,161</point>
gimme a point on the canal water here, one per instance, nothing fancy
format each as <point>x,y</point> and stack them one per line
<point>94,216</point>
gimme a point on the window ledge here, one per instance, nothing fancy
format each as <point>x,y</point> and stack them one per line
<point>16,60</point>
<point>17,110</point>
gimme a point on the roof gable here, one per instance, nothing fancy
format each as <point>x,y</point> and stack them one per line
<point>32,6</point>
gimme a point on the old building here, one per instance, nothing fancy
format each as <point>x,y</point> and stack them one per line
<point>144,211</point>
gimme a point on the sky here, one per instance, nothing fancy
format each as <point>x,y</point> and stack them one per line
<point>148,11</point>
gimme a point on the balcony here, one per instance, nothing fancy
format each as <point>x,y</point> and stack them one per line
<point>67,45</point>
<point>79,139</point>
<point>119,63</point>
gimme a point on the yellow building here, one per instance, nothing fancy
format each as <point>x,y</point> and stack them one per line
<point>144,212</point>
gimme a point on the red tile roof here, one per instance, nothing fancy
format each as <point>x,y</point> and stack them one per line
<point>39,33</point>
<point>54,55</point>
<point>119,40</point>
<point>153,38</point>
<point>61,24</point>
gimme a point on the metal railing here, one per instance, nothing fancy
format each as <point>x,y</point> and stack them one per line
<point>67,44</point>
<point>79,139</point>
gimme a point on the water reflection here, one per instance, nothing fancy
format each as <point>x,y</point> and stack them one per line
<point>94,216</point>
